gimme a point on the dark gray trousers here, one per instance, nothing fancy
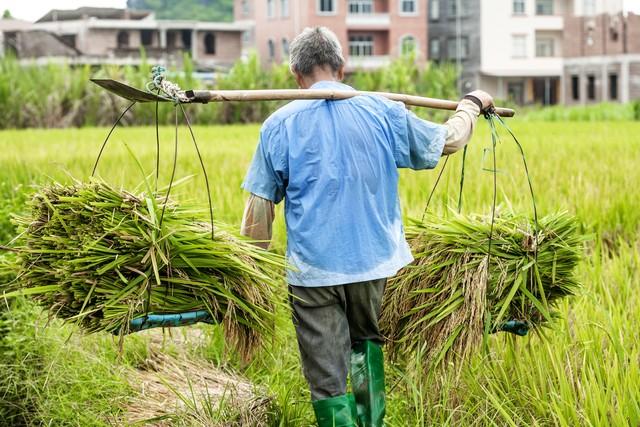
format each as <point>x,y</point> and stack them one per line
<point>329,320</point>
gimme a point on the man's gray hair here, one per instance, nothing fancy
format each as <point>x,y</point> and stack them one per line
<point>313,47</point>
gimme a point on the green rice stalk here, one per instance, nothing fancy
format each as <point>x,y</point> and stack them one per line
<point>453,294</point>
<point>97,257</point>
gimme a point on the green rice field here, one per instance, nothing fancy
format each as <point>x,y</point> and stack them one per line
<point>584,370</point>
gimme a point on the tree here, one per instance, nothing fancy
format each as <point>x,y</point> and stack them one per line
<point>6,14</point>
<point>201,10</point>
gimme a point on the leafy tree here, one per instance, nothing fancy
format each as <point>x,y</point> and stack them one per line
<point>6,14</point>
<point>201,10</point>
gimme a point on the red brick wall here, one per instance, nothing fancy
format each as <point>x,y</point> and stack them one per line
<point>633,33</point>
<point>402,25</point>
<point>387,42</point>
<point>237,10</point>
<point>602,30</point>
<point>228,46</point>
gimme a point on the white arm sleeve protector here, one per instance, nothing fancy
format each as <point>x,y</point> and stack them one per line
<point>460,126</point>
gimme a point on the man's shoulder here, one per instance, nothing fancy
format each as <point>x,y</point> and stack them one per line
<point>289,110</point>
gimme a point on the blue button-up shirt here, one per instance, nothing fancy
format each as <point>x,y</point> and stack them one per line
<point>335,164</point>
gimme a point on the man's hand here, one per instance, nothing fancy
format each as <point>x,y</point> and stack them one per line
<point>481,98</point>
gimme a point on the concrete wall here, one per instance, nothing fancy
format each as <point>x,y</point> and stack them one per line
<point>499,25</point>
<point>634,80</point>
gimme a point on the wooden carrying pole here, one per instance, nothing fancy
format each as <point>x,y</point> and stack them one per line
<point>204,96</point>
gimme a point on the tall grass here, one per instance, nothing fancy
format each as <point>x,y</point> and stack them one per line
<point>62,95</point>
<point>583,372</point>
<point>605,111</point>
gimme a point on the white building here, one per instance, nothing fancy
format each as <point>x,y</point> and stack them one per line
<point>521,49</point>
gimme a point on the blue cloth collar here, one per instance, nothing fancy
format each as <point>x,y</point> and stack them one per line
<point>330,84</point>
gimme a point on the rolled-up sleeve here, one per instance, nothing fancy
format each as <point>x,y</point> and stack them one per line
<point>417,143</point>
<point>267,175</point>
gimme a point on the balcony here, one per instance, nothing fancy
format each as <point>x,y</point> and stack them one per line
<point>548,22</point>
<point>355,63</point>
<point>368,21</point>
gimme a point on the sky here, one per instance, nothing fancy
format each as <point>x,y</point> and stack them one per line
<point>31,10</point>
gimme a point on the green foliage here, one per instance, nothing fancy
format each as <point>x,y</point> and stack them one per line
<point>406,75</point>
<point>44,378</point>
<point>636,110</point>
<point>71,100</point>
<point>6,14</point>
<point>200,10</point>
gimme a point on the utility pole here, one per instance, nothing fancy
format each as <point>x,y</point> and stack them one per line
<point>459,43</point>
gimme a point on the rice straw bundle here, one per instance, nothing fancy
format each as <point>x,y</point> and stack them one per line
<point>96,256</point>
<point>453,294</point>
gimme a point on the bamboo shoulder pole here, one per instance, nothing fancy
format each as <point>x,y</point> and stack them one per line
<point>204,96</point>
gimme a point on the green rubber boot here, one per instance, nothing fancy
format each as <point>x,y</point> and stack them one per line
<point>367,383</point>
<point>339,411</point>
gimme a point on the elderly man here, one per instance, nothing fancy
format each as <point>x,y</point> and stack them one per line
<point>335,165</point>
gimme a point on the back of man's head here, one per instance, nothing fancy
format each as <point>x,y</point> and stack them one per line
<point>315,47</point>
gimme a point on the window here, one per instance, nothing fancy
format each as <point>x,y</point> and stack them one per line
<point>408,6</point>
<point>544,7</point>
<point>361,45</point>
<point>210,44</point>
<point>589,7</point>
<point>575,88</point>
<point>407,45</point>
<point>515,91</point>
<point>452,48</point>
<point>613,87</point>
<point>452,9</point>
<point>285,47</point>
<point>614,34</point>
<point>123,39</point>
<point>246,37</point>
<point>284,8</point>
<point>272,49</point>
<point>434,49</point>
<point>327,6</point>
<point>519,7</point>
<point>360,6</point>
<point>518,46</point>
<point>544,47</point>
<point>146,37</point>
<point>271,8</point>
<point>434,10</point>
<point>245,7</point>
<point>591,87</point>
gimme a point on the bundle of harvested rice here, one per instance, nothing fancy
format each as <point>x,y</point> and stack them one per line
<point>453,293</point>
<point>96,256</point>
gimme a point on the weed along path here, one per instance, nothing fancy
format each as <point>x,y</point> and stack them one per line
<point>582,370</point>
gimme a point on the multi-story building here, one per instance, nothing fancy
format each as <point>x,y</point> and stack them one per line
<point>602,53</point>
<point>540,51</point>
<point>106,35</point>
<point>370,31</point>
<point>455,37</point>
<point>512,49</point>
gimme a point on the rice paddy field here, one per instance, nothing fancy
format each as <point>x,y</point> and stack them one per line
<point>583,370</point>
